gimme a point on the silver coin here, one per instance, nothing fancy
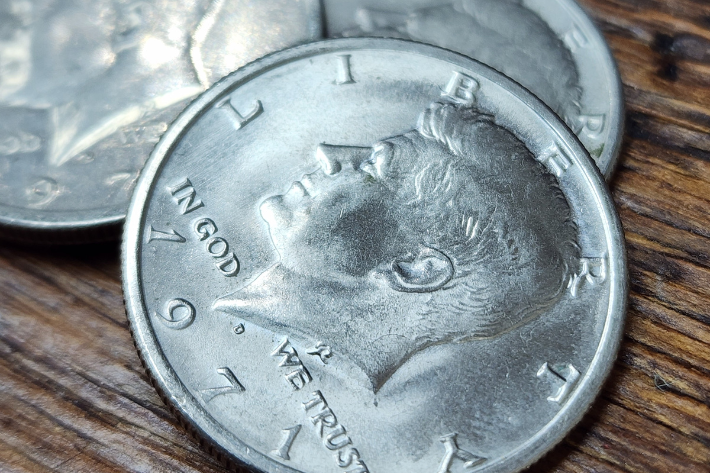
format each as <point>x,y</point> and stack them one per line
<point>550,46</point>
<point>372,255</point>
<point>87,87</point>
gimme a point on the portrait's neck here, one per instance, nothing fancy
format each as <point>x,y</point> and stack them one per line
<point>358,323</point>
<point>125,94</point>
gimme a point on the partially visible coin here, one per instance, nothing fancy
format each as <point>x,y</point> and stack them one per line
<point>87,87</point>
<point>550,46</point>
<point>370,255</point>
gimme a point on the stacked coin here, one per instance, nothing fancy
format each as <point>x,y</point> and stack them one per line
<point>360,254</point>
<point>87,88</point>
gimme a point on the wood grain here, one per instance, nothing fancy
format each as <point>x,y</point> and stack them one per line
<point>74,397</point>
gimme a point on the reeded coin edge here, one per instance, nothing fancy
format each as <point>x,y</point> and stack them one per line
<point>226,459</point>
<point>201,422</point>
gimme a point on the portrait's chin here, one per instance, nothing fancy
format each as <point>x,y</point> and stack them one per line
<point>275,212</point>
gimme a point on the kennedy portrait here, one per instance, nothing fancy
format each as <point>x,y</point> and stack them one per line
<point>450,233</point>
<point>95,65</point>
<point>504,34</point>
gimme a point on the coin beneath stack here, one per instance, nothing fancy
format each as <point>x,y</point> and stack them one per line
<point>550,46</point>
<point>88,87</point>
<point>369,255</point>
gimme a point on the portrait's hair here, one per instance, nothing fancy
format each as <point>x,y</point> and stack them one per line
<point>481,198</point>
<point>529,49</point>
<point>503,34</point>
<point>105,34</point>
<point>174,25</point>
<point>127,19</point>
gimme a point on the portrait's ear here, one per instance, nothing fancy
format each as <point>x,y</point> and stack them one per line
<point>426,270</point>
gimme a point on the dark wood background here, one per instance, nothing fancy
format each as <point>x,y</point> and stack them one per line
<point>74,397</point>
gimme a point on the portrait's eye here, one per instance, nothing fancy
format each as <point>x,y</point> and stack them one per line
<point>378,162</point>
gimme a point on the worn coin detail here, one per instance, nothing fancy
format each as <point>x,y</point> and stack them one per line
<point>371,255</point>
<point>87,87</point>
<point>549,46</point>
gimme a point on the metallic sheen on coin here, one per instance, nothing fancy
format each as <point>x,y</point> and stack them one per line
<point>370,255</point>
<point>87,87</point>
<point>550,46</point>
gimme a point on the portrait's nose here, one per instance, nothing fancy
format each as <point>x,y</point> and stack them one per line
<point>334,159</point>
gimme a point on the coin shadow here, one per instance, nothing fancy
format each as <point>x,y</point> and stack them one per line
<point>103,257</point>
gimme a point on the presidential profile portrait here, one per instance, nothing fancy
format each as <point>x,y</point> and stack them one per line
<point>447,234</point>
<point>504,34</point>
<point>98,66</point>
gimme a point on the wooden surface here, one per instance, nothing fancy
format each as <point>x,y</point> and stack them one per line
<point>74,397</point>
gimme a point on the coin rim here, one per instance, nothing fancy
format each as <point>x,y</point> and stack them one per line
<point>206,426</point>
<point>24,224</point>
<point>618,107</point>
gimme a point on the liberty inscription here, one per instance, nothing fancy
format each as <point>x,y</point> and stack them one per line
<point>238,120</point>
<point>566,377</point>
<point>345,73</point>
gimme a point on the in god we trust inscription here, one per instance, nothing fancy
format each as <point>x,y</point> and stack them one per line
<point>371,255</point>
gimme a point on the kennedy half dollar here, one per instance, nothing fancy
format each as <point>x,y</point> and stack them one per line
<point>370,255</point>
